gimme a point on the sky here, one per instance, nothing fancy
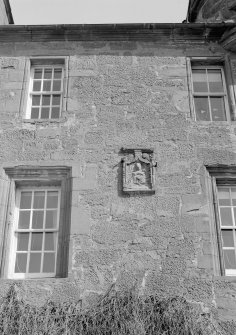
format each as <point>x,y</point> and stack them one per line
<point>98,11</point>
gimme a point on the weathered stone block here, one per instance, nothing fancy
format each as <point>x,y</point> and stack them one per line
<point>163,285</point>
<point>203,225</point>
<point>82,63</point>
<point>225,295</point>
<point>192,203</point>
<point>98,257</point>
<point>81,220</point>
<point>207,248</point>
<point>114,233</point>
<point>12,63</point>
<point>174,266</point>
<point>48,132</point>
<point>205,262</point>
<point>162,227</point>
<point>188,224</point>
<point>94,138</point>
<point>199,290</point>
<point>88,180</point>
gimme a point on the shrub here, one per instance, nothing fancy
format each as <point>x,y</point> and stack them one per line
<point>115,314</point>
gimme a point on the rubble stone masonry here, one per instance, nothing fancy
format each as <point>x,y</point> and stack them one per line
<point>127,93</point>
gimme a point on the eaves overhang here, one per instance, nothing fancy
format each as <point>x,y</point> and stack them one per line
<point>8,11</point>
<point>149,32</point>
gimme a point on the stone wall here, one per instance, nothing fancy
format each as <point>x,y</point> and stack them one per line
<point>121,95</point>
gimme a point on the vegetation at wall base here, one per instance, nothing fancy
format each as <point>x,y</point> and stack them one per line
<point>117,313</point>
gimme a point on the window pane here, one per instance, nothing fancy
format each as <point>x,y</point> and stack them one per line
<point>215,81</point>
<point>229,258</point>
<point>46,100</point>
<point>50,241</point>
<point>24,220</point>
<point>234,215</point>
<point>22,241</point>
<point>45,113</point>
<point>39,199</point>
<point>218,109</point>
<point>47,73</point>
<point>233,195</point>
<point>226,217</point>
<point>56,85</point>
<point>224,196</point>
<point>228,238</point>
<point>49,262</point>
<point>37,220</point>
<point>52,199</point>
<point>56,100</point>
<point>38,73</point>
<point>57,73</point>
<point>35,100</point>
<point>35,262</point>
<point>37,86</point>
<point>51,219</point>
<point>47,85</point>
<point>202,109</point>
<point>34,113</point>
<point>55,114</point>
<point>21,261</point>
<point>25,200</point>
<point>199,80</point>
<point>36,241</point>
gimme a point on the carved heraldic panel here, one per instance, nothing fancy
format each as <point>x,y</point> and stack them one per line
<point>138,170</point>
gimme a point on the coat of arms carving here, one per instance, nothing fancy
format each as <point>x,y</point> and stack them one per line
<point>138,170</point>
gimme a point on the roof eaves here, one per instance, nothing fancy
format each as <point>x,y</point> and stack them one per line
<point>178,32</point>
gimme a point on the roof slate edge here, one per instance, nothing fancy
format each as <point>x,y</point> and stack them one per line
<point>8,11</point>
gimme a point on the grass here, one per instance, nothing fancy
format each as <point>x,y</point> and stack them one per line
<point>115,314</point>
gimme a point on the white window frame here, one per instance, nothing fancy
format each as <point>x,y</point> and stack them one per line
<point>40,93</point>
<point>228,272</point>
<point>15,230</point>
<point>218,176</point>
<point>209,94</point>
<point>33,176</point>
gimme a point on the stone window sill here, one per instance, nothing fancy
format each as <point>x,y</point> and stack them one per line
<point>215,123</point>
<point>230,279</point>
<point>44,121</point>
